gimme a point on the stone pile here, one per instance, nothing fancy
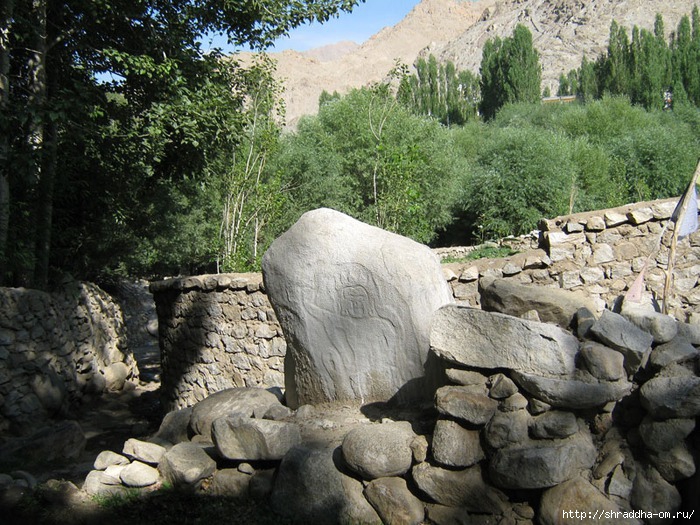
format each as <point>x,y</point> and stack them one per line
<point>216,332</point>
<point>535,420</point>
<point>56,349</point>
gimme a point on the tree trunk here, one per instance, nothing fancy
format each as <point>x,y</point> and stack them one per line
<point>6,11</point>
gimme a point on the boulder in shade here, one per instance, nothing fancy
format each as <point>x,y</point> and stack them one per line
<point>459,488</point>
<point>490,340</point>
<point>579,494</point>
<point>355,303</point>
<point>456,446</point>
<point>186,464</point>
<point>377,451</point>
<point>671,397</point>
<point>542,464</point>
<point>652,493</point>
<point>309,487</point>
<point>245,402</point>
<point>393,501</point>
<point>254,439</point>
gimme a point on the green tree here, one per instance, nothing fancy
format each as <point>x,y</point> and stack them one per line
<point>51,56</point>
<point>510,72</point>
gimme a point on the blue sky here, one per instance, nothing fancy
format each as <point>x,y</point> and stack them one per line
<point>365,20</point>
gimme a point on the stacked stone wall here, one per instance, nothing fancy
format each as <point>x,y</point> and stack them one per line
<point>216,332</point>
<point>600,253</point>
<point>57,348</point>
<point>220,331</point>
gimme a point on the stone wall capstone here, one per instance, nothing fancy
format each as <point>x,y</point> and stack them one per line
<point>55,349</point>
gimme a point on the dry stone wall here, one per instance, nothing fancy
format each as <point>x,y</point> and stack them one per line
<point>220,331</point>
<point>599,253</point>
<point>216,332</point>
<point>57,348</point>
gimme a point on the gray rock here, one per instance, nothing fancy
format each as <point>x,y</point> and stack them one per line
<point>310,487</point>
<point>619,484</point>
<point>143,451</point>
<point>617,332</point>
<point>491,340</point>
<point>97,483</point>
<point>678,350</point>
<point>229,482</point>
<point>542,464</point>
<point>579,495</point>
<point>247,402</point>
<point>106,458</point>
<point>278,412</point>
<point>690,332</point>
<point>553,305</point>
<point>261,484</point>
<point>507,428</point>
<point>174,427</point>
<point>377,451</point>
<point>652,493</point>
<point>671,397</point>
<point>663,328</point>
<point>462,402</point>
<point>664,435</point>
<point>357,320</point>
<point>419,447</point>
<point>501,386</point>
<point>459,488</point>
<point>554,424</point>
<point>603,362</point>
<point>115,376</point>
<point>585,319</point>
<point>466,377</point>
<point>186,464</point>
<point>254,439</point>
<point>455,446</point>
<point>675,464</point>
<point>572,392</point>
<point>515,402</point>
<point>139,475</point>
<point>393,501</point>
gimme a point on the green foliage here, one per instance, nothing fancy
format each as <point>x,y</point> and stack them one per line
<point>482,252</point>
<point>510,72</point>
<point>368,156</point>
<point>440,91</point>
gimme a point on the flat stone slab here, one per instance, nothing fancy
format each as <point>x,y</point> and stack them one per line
<point>355,303</point>
<point>572,393</point>
<point>617,332</point>
<point>553,305</point>
<point>491,340</point>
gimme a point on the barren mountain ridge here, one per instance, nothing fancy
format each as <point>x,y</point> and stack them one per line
<point>563,32</point>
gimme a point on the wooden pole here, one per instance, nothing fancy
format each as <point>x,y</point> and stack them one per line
<point>682,209</point>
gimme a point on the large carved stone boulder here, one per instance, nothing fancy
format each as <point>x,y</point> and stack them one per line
<point>355,303</point>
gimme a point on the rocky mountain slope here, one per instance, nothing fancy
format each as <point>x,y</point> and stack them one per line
<point>563,32</point>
